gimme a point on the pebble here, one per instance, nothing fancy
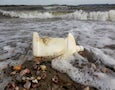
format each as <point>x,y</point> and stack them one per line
<point>18,78</point>
<point>38,78</point>
<point>55,79</point>
<point>43,75</point>
<point>35,85</point>
<point>16,88</point>
<point>35,67</point>
<point>35,81</point>
<point>38,72</point>
<point>105,70</point>
<point>32,78</point>
<point>86,88</point>
<point>13,73</point>
<point>11,86</point>
<point>1,80</point>
<point>93,66</point>
<point>17,68</point>
<point>43,67</point>
<point>25,71</point>
<point>24,78</point>
<point>27,85</point>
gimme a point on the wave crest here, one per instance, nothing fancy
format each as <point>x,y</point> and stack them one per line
<point>78,15</point>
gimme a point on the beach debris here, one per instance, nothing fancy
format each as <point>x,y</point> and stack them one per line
<point>43,67</point>
<point>25,71</point>
<point>61,46</point>
<point>27,85</point>
<point>17,68</point>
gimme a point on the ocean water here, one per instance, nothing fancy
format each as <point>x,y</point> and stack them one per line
<point>94,30</point>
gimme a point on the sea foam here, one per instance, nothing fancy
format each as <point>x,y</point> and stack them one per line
<point>85,75</point>
<point>78,14</point>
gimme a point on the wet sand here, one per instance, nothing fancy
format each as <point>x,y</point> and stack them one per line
<point>52,80</point>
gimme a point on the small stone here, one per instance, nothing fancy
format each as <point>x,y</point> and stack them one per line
<point>24,78</point>
<point>93,66</point>
<point>105,70</point>
<point>35,85</point>
<point>27,85</point>
<point>97,76</point>
<point>11,86</point>
<point>18,78</point>
<point>43,75</point>
<point>16,88</point>
<point>38,78</point>
<point>1,80</point>
<point>55,79</point>
<point>17,68</point>
<point>13,73</point>
<point>32,78</point>
<point>35,67</point>
<point>43,67</point>
<point>35,81</point>
<point>86,88</point>
<point>37,73</point>
<point>25,71</point>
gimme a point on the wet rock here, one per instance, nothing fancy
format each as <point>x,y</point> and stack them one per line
<point>25,71</point>
<point>27,85</point>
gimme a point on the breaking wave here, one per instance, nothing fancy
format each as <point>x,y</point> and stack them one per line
<point>78,15</point>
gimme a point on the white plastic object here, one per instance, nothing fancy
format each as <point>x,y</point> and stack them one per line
<point>52,47</point>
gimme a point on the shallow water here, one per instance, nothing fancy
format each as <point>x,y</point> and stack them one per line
<point>98,37</point>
